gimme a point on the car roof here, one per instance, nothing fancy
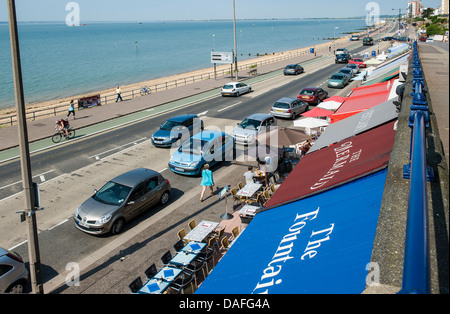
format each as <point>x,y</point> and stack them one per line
<point>183,117</point>
<point>338,74</point>
<point>134,177</point>
<point>311,88</point>
<point>259,116</point>
<point>345,68</point>
<point>208,134</point>
<point>286,100</point>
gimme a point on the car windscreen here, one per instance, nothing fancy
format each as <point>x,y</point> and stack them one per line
<point>228,87</point>
<point>169,125</point>
<point>281,105</point>
<point>112,193</point>
<point>336,77</point>
<point>290,67</point>
<point>194,147</point>
<point>249,123</point>
<point>307,92</point>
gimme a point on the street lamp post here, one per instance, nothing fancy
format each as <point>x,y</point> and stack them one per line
<point>334,38</point>
<point>235,43</point>
<point>25,164</point>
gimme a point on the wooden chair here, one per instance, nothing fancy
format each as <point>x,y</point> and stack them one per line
<point>235,196</point>
<point>255,201</point>
<point>240,185</point>
<point>181,234</point>
<point>192,224</point>
<point>225,243</point>
<point>266,195</point>
<point>235,232</point>
<point>272,188</point>
<point>219,234</point>
<point>135,285</point>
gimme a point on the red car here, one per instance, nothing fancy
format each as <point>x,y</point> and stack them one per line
<point>359,62</point>
<point>312,95</point>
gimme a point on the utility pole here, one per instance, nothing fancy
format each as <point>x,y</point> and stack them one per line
<point>235,43</point>
<point>29,213</point>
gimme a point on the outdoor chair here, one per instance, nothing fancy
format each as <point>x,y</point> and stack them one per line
<point>235,196</point>
<point>255,201</point>
<point>151,271</point>
<point>208,253</point>
<point>245,220</point>
<point>225,243</point>
<point>240,185</point>
<point>135,285</point>
<point>165,259</point>
<point>235,232</point>
<point>185,279</point>
<point>179,245</point>
<point>266,195</point>
<point>192,224</point>
<point>196,266</point>
<point>219,234</point>
<point>181,234</point>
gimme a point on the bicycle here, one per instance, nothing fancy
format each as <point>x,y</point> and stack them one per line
<point>145,90</point>
<point>57,137</point>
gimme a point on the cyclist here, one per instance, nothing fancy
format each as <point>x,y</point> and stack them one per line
<point>63,125</point>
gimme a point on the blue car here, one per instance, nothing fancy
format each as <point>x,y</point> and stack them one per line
<point>176,130</point>
<point>207,146</point>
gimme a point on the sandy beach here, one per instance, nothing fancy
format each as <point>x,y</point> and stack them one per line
<point>7,115</point>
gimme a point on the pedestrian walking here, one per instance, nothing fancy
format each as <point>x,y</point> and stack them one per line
<point>71,110</point>
<point>207,181</point>
<point>119,92</point>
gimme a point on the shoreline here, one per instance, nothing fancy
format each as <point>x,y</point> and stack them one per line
<point>59,102</point>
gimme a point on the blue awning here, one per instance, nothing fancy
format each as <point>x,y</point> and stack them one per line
<point>320,244</point>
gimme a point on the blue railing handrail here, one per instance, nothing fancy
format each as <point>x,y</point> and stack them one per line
<point>416,265</point>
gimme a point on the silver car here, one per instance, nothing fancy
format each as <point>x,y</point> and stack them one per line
<point>288,107</point>
<point>13,274</point>
<point>235,89</point>
<point>246,131</point>
<point>120,200</point>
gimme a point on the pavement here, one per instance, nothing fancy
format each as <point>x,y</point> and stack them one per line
<point>112,268</point>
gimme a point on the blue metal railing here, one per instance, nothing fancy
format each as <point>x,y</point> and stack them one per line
<point>416,266</point>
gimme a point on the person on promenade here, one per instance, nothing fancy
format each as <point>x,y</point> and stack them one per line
<point>71,110</point>
<point>249,175</point>
<point>119,91</point>
<point>207,181</point>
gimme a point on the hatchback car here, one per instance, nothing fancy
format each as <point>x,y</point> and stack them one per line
<point>13,274</point>
<point>288,107</point>
<point>342,50</point>
<point>176,130</point>
<point>342,58</point>
<point>235,89</point>
<point>354,67</point>
<point>312,95</point>
<point>347,71</point>
<point>246,131</point>
<point>293,69</point>
<point>338,80</point>
<point>207,147</point>
<point>120,200</point>
<point>359,62</point>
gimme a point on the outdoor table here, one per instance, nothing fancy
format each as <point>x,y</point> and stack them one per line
<point>194,247</point>
<point>249,210</point>
<point>183,258</point>
<point>161,280</point>
<point>249,189</point>
<point>201,231</point>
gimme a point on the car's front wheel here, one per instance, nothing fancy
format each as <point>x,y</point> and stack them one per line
<point>164,198</point>
<point>118,226</point>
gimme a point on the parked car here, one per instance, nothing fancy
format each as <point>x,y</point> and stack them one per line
<point>358,61</point>
<point>120,200</point>
<point>235,89</point>
<point>347,71</point>
<point>293,69</point>
<point>354,38</point>
<point>367,41</point>
<point>246,131</point>
<point>13,274</point>
<point>288,107</point>
<point>207,146</point>
<point>387,38</point>
<point>342,58</point>
<point>342,50</point>
<point>176,130</point>
<point>354,67</point>
<point>338,80</point>
<point>312,95</point>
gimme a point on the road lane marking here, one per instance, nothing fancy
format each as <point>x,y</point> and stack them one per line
<point>231,106</point>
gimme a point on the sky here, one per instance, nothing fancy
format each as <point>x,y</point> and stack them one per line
<point>152,10</point>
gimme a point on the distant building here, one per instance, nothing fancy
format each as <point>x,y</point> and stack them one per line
<point>444,7</point>
<point>414,8</point>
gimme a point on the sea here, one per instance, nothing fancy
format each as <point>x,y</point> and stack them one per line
<point>60,61</point>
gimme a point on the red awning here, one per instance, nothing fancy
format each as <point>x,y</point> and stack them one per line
<point>356,104</point>
<point>336,99</point>
<point>317,112</point>
<point>378,87</point>
<point>342,162</point>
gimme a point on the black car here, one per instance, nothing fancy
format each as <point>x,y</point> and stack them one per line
<point>367,41</point>
<point>293,69</point>
<point>342,58</point>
